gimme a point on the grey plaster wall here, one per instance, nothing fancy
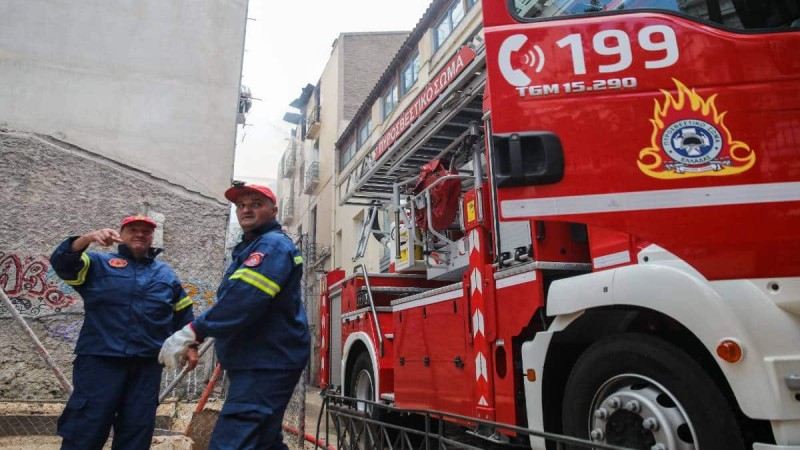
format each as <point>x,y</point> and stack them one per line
<point>151,83</point>
<point>50,190</point>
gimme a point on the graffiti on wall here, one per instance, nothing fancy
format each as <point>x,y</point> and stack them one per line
<point>37,292</point>
<point>203,294</point>
<point>32,286</point>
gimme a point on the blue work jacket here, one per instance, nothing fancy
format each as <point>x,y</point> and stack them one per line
<point>259,321</point>
<point>131,305</point>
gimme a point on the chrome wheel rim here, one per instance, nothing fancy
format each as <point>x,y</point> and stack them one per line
<point>635,411</point>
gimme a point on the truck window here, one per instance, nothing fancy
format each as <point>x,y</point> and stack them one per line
<point>741,14</point>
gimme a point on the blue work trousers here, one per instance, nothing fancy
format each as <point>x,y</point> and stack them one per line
<point>252,416</point>
<point>111,391</point>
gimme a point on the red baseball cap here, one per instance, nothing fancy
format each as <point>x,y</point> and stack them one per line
<point>138,218</point>
<point>234,192</point>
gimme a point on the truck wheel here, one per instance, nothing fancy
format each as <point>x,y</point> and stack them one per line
<point>640,392</point>
<point>362,383</point>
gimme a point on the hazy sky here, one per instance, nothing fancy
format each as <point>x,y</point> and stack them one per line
<point>287,46</point>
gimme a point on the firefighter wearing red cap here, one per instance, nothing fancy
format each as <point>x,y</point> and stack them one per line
<point>132,302</point>
<point>259,324</point>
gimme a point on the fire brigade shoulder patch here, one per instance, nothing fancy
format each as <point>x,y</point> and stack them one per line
<point>254,259</point>
<point>117,262</point>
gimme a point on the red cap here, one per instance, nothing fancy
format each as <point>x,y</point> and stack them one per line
<point>138,218</point>
<point>233,193</point>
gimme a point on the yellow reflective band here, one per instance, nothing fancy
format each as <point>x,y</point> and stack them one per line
<point>247,278</point>
<point>256,279</point>
<point>298,260</point>
<point>183,303</point>
<point>81,273</point>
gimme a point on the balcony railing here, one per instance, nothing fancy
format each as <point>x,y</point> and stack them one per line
<point>312,123</point>
<point>311,178</point>
<point>289,161</point>
<point>286,210</point>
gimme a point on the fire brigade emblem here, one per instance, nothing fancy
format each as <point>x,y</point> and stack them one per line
<point>254,259</point>
<point>690,139</point>
<point>117,262</point>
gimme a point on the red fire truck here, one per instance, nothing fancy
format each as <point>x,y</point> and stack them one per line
<point>609,245</point>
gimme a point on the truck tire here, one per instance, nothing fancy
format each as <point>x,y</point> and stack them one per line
<point>362,384</point>
<point>641,392</point>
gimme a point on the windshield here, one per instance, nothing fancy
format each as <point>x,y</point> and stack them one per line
<point>732,13</point>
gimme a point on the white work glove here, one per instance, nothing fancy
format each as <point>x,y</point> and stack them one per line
<point>172,351</point>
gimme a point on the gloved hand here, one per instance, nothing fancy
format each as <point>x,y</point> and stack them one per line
<point>172,351</point>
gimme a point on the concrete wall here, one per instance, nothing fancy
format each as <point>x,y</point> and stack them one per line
<point>152,84</point>
<point>51,190</point>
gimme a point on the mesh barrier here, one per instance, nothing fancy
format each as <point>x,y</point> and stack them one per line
<point>24,376</point>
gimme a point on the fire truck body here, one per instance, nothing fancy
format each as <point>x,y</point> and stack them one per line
<point>626,251</point>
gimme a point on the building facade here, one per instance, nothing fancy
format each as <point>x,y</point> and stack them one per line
<point>423,102</point>
<point>307,168</point>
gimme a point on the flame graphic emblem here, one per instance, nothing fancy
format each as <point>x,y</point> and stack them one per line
<point>690,139</point>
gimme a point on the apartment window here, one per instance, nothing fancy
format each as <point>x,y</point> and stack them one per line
<point>363,133</point>
<point>347,154</point>
<point>389,100</point>
<point>302,175</point>
<point>450,20</point>
<point>337,250</point>
<point>312,225</point>
<point>409,75</point>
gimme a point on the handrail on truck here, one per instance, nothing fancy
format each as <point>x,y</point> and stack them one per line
<point>372,306</point>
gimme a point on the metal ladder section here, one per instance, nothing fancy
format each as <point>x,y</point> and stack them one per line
<point>366,231</point>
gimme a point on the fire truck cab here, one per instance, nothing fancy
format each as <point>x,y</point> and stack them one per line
<point>609,246</point>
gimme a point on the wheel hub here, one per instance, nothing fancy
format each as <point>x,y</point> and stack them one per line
<point>637,412</point>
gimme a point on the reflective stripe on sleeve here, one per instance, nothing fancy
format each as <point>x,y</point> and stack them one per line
<point>81,273</point>
<point>256,279</point>
<point>184,303</point>
<point>298,260</point>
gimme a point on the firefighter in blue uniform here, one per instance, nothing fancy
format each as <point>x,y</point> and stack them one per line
<point>259,324</point>
<point>132,302</point>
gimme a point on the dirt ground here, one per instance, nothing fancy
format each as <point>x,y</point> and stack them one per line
<point>181,416</point>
